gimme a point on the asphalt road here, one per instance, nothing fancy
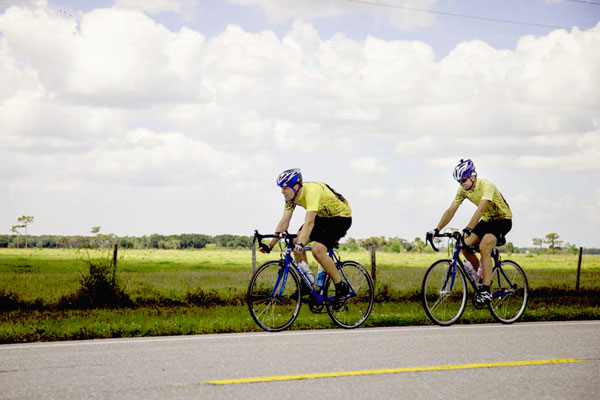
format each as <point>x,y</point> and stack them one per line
<point>557,360</point>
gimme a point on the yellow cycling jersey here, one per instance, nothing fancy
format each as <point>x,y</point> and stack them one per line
<point>319,197</point>
<point>485,190</point>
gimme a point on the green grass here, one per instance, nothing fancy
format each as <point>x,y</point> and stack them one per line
<point>175,292</point>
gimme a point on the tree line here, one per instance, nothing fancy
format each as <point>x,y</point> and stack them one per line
<point>199,241</point>
<point>154,241</point>
<point>21,239</point>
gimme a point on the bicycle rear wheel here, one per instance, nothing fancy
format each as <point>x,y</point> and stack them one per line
<point>360,301</point>
<point>444,296</point>
<point>510,292</point>
<point>273,308</point>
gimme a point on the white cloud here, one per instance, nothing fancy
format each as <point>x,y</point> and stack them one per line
<point>429,195</point>
<point>151,6</point>
<point>592,209</point>
<point>370,165</point>
<point>397,15</point>
<point>580,152</point>
<point>184,7</point>
<point>23,3</point>
<point>374,193</point>
<point>419,145</point>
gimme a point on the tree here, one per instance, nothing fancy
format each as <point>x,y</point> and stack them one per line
<point>15,229</point>
<point>538,242</point>
<point>378,242</point>
<point>553,242</point>
<point>23,221</point>
<point>571,248</point>
<point>96,231</point>
<point>509,247</point>
<point>419,245</point>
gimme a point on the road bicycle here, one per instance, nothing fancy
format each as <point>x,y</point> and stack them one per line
<point>444,290</point>
<point>275,290</point>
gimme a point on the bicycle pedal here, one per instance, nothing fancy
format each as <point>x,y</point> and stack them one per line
<point>479,306</point>
<point>315,308</point>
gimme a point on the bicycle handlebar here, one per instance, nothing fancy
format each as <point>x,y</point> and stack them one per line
<point>456,235</point>
<point>279,235</point>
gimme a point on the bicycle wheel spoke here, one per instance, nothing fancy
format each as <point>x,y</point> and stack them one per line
<point>359,303</point>
<point>443,297</point>
<point>273,312</point>
<point>509,292</point>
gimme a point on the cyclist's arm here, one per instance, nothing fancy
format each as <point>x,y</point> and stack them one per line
<point>309,223</point>
<point>282,226</point>
<point>478,213</point>
<point>448,215</point>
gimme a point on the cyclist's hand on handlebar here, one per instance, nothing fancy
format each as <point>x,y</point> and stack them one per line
<point>298,248</point>
<point>264,248</point>
<point>467,231</point>
<point>433,233</point>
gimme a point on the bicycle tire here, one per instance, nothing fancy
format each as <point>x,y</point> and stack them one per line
<point>358,306</point>
<point>271,310</point>
<point>443,307</point>
<point>510,292</point>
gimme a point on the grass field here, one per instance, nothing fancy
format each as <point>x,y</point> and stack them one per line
<point>201,291</point>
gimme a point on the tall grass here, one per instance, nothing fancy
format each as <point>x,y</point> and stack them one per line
<point>66,294</point>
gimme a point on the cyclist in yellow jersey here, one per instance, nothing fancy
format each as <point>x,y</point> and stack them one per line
<point>489,224</point>
<point>328,218</point>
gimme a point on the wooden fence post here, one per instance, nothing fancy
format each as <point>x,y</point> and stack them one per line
<point>579,268</point>
<point>373,265</point>
<point>253,257</point>
<point>114,271</point>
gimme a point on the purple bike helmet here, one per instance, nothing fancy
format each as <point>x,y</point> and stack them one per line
<point>289,177</point>
<point>463,170</point>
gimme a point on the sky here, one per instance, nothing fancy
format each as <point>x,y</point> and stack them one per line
<point>176,116</point>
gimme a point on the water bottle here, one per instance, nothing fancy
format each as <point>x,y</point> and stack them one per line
<point>480,273</point>
<point>304,267</point>
<point>321,275</point>
<point>471,271</point>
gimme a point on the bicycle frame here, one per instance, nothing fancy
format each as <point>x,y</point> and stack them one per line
<point>288,260</point>
<point>456,262</point>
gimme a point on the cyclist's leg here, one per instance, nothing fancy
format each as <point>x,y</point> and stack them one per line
<point>325,234</point>
<point>471,240</point>
<point>321,254</point>
<point>490,231</point>
<point>485,249</point>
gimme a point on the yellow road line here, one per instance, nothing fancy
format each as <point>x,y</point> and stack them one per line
<point>389,371</point>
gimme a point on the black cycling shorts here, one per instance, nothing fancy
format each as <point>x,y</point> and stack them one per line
<point>329,230</point>
<point>497,227</point>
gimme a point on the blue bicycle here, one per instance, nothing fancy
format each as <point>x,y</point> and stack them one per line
<point>278,288</point>
<point>444,290</point>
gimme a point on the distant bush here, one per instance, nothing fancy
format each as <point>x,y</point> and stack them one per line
<point>99,289</point>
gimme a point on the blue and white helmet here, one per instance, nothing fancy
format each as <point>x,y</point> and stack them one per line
<point>289,177</point>
<point>463,170</point>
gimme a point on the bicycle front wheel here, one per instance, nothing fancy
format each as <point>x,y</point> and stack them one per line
<point>273,297</point>
<point>510,292</point>
<point>444,293</point>
<point>360,301</point>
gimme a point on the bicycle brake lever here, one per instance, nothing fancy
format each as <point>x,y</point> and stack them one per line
<point>429,238</point>
<point>265,247</point>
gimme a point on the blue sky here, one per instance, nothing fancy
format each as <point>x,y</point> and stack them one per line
<point>167,116</point>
